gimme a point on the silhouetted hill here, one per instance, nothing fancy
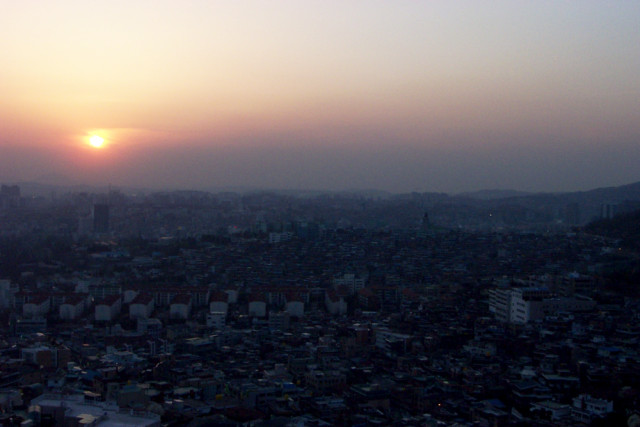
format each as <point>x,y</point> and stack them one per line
<point>587,204</point>
<point>597,195</point>
<point>620,193</point>
<point>493,194</point>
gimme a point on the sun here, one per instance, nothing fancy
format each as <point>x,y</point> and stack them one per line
<point>96,141</point>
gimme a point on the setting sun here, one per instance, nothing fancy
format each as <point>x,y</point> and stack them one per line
<point>96,141</point>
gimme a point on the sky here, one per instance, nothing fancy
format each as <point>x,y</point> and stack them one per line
<point>396,95</point>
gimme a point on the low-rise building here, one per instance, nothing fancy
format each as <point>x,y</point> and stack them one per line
<point>586,408</point>
<point>324,380</point>
<point>74,410</point>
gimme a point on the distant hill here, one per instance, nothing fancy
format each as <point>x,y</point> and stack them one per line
<point>30,189</point>
<point>589,203</point>
<point>493,194</point>
<point>597,195</point>
<point>620,193</point>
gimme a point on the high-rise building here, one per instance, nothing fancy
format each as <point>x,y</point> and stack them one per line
<point>608,210</point>
<point>572,214</point>
<point>9,196</point>
<point>100,218</point>
<point>523,305</point>
<point>10,190</point>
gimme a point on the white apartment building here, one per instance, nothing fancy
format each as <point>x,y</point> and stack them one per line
<point>528,304</point>
<point>523,305</point>
<point>129,295</point>
<point>180,307</point>
<point>295,308</point>
<point>108,309</point>
<point>335,304</point>
<point>141,307</point>
<point>73,307</point>
<point>257,308</point>
<point>351,281</point>
<point>216,320</point>
<point>37,307</point>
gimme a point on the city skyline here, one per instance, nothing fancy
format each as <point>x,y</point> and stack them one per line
<point>397,96</point>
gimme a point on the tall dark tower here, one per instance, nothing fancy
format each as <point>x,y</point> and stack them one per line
<point>425,221</point>
<point>425,229</point>
<point>100,218</point>
<point>9,196</point>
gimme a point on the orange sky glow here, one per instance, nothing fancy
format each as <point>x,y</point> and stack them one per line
<point>206,93</point>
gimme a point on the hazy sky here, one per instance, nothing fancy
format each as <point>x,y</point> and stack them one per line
<point>399,95</point>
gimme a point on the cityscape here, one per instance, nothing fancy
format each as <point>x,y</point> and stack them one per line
<point>319,213</point>
<point>282,309</point>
